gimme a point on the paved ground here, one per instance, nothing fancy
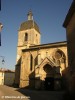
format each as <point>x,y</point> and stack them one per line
<point>10,93</point>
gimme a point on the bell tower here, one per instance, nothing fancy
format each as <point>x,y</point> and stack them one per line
<point>28,34</point>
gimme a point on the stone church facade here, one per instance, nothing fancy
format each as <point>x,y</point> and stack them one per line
<point>39,66</point>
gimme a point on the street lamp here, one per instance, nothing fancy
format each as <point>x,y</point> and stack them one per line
<point>1,26</point>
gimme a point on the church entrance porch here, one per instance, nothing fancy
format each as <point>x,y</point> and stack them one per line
<point>57,84</point>
<point>48,79</point>
<point>49,83</point>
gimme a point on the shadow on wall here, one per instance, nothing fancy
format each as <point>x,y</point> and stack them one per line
<point>69,84</point>
<point>49,83</point>
<point>43,95</point>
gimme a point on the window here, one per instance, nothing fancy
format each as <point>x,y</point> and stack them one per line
<point>26,36</point>
<point>62,60</point>
<point>58,62</point>
<point>36,60</point>
<point>31,62</point>
<point>58,54</point>
<point>36,39</point>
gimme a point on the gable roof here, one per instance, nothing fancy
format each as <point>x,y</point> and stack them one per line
<point>45,61</point>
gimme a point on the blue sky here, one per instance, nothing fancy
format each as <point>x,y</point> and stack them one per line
<point>48,14</point>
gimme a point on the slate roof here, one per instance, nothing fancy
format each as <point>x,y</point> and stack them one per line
<point>28,25</point>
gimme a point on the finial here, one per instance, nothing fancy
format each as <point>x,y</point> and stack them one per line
<point>30,15</point>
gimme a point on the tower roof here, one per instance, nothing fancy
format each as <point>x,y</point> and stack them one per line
<point>30,23</point>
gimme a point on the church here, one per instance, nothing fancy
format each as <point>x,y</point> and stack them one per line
<point>38,66</point>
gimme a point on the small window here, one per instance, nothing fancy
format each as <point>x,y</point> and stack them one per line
<point>26,36</point>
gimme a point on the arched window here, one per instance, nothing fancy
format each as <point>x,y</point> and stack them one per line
<point>60,58</point>
<point>31,62</point>
<point>26,36</point>
<point>36,60</point>
<point>63,60</point>
<point>58,62</point>
<point>58,54</point>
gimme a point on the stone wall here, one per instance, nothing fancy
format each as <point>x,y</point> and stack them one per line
<point>27,75</point>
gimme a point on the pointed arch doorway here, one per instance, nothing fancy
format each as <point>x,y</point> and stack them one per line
<point>49,79</point>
